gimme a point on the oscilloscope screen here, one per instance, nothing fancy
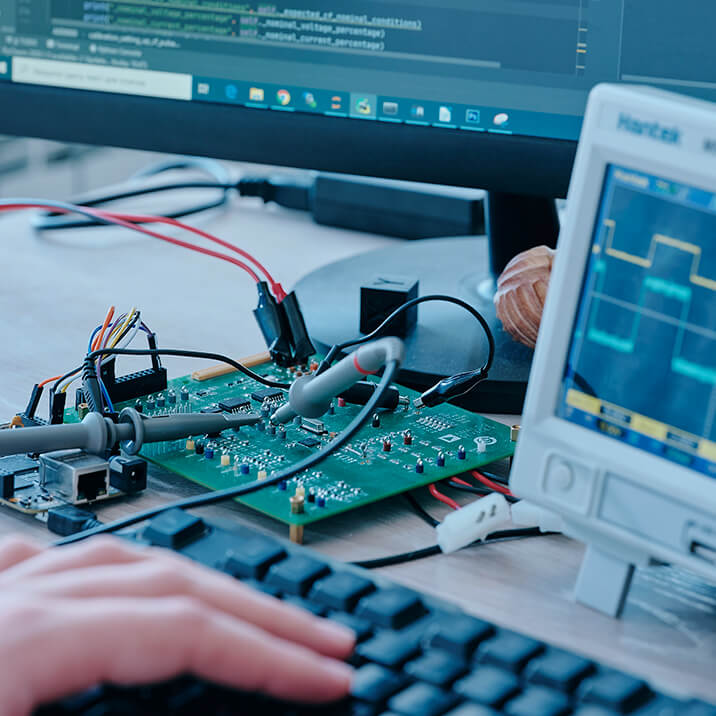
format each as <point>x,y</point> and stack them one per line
<point>642,364</point>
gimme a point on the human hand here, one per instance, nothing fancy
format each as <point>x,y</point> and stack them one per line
<point>105,611</point>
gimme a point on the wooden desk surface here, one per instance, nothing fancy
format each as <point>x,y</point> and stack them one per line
<point>55,288</point>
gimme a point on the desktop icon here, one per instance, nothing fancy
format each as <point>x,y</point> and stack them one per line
<point>417,111</point>
<point>390,108</point>
<point>203,88</point>
<point>336,102</point>
<point>363,106</point>
<point>231,92</point>
<point>501,119</point>
<point>283,96</point>
<point>472,116</point>
<point>256,94</point>
<point>445,114</point>
<point>309,99</point>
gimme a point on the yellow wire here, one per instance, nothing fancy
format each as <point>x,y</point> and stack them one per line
<point>118,332</point>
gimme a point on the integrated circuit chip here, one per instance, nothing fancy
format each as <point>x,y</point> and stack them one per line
<point>231,404</point>
<point>266,394</point>
<point>309,442</point>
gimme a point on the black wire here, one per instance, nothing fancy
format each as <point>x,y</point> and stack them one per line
<point>420,511</point>
<point>503,536</point>
<point>51,221</point>
<point>390,372</point>
<point>184,354</point>
<point>340,347</point>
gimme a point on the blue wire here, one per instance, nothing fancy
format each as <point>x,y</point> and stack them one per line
<point>106,396</point>
<point>94,333</point>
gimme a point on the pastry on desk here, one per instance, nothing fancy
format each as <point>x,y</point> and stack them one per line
<point>521,293</point>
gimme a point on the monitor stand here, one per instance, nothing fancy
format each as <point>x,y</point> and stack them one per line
<point>446,340</point>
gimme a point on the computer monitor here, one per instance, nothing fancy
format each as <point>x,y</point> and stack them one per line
<point>619,431</point>
<point>478,93</point>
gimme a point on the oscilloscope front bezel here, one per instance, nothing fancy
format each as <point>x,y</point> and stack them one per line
<point>631,507</point>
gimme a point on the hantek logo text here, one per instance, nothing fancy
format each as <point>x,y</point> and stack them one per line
<point>653,130</point>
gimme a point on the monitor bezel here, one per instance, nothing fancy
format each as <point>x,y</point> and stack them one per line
<point>545,432</point>
<point>497,162</point>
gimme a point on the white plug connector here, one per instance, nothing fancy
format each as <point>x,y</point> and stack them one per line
<point>473,522</point>
<point>527,514</point>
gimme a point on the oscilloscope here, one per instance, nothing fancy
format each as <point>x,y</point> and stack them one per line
<point>619,429</point>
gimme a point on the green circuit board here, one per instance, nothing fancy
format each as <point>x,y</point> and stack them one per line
<point>360,473</point>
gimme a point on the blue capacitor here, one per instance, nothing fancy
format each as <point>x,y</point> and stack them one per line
<point>209,453</point>
<point>321,501</point>
<point>282,485</point>
<point>245,468</point>
<point>440,460</point>
<point>419,467</point>
<point>461,453</point>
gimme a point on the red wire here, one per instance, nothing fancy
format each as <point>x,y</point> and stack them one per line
<point>276,287</point>
<point>116,219</point>
<point>489,483</point>
<point>443,498</point>
<point>460,482</point>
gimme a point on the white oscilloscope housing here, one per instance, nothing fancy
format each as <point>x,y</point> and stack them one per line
<point>631,507</point>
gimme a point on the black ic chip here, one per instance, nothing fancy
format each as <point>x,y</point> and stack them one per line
<point>231,404</point>
<point>266,394</point>
<point>309,442</point>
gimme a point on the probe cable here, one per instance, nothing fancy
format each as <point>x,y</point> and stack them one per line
<point>176,352</point>
<point>390,372</point>
<point>448,388</point>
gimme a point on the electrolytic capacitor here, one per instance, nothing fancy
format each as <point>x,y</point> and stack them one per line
<point>461,453</point>
<point>419,467</point>
<point>440,460</point>
<point>407,438</point>
<point>161,401</point>
<point>376,421</point>
<point>172,397</point>
<point>387,445</point>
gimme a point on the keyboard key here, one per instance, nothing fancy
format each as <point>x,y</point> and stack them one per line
<point>309,606</point>
<point>663,706</point>
<point>422,700</point>
<point>341,591</point>
<point>488,685</point>
<point>362,627</point>
<point>620,692</point>
<point>263,587</point>
<point>509,650</point>
<point>392,608</point>
<point>389,649</point>
<point>460,634</point>
<point>253,558</point>
<point>436,667</point>
<point>468,709</point>
<point>375,684</point>
<point>174,528</point>
<point>538,701</point>
<point>296,574</point>
<point>559,670</point>
<point>698,708</point>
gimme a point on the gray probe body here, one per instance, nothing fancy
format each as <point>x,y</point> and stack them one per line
<point>97,434</point>
<point>310,396</point>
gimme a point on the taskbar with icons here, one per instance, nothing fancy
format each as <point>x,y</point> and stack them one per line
<point>399,110</point>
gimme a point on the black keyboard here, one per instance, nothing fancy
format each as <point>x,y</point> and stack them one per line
<point>416,656</point>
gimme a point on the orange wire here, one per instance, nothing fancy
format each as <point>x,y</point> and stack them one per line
<point>489,483</point>
<point>49,380</point>
<point>443,498</point>
<point>98,338</point>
